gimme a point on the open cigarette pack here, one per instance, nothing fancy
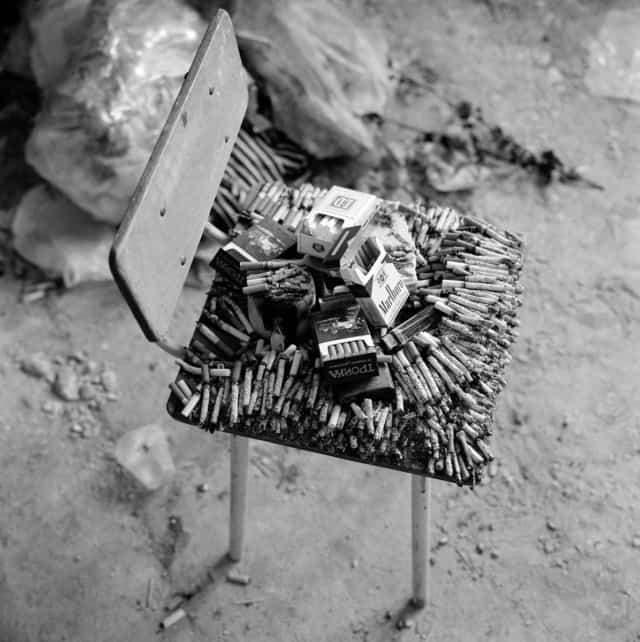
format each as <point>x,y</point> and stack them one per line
<point>374,281</point>
<point>323,344</point>
<point>335,219</point>
<point>345,346</point>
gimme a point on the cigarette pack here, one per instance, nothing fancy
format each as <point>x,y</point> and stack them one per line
<point>347,351</point>
<point>375,282</point>
<point>378,387</point>
<point>264,241</point>
<point>333,221</point>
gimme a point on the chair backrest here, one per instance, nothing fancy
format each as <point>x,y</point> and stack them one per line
<point>163,224</point>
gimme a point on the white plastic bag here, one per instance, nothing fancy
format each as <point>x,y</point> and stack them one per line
<point>320,70</point>
<point>51,232</point>
<point>100,122</point>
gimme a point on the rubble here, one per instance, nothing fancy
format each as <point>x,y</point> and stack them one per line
<point>145,453</point>
<point>66,384</point>
<point>40,366</point>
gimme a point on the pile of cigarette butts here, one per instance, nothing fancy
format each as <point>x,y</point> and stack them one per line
<point>367,329</point>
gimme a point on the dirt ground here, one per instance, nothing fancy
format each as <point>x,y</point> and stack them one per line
<point>548,549</point>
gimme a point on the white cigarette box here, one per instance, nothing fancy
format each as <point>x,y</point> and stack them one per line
<point>333,221</point>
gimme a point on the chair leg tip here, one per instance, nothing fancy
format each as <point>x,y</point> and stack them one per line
<point>418,602</point>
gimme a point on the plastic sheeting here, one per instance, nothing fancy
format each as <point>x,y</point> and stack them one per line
<point>320,70</point>
<point>100,122</point>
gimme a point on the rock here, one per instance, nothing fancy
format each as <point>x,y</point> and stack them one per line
<point>51,407</point>
<point>551,526</point>
<point>86,392</point>
<point>635,542</point>
<point>145,453</point>
<point>109,381</point>
<point>202,488</point>
<point>354,563</point>
<point>555,76</point>
<point>541,57</point>
<point>479,548</point>
<point>40,366</point>
<point>66,385</point>
<point>494,554</point>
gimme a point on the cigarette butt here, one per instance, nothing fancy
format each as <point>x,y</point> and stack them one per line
<point>357,411</point>
<point>186,391</point>
<point>382,420</point>
<point>172,619</point>
<point>277,388</point>
<point>260,288</point>
<point>220,372</point>
<point>247,388</point>
<point>295,364</point>
<point>368,410</point>
<point>235,399</point>
<point>228,328</point>
<point>187,367</point>
<point>204,407</point>
<point>234,577</point>
<point>333,418</point>
<point>215,413</point>
<point>215,339</point>
<point>178,393</point>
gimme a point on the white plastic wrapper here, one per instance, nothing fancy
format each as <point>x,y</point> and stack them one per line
<point>51,232</point>
<point>99,124</point>
<point>320,70</point>
<point>56,27</point>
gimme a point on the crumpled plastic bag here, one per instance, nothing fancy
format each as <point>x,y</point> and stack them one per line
<point>54,234</point>
<point>56,27</point>
<point>99,124</point>
<point>320,70</point>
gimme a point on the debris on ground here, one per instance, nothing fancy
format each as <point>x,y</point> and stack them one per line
<point>66,384</point>
<point>172,619</point>
<point>235,577</point>
<point>51,232</point>
<point>40,366</point>
<point>323,75</point>
<point>614,63</point>
<point>145,453</point>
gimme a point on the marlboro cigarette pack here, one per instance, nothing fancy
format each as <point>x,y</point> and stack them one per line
<point>263,241</point>
<point>376,283</point>
<point>333,221</point>
<point>347,351</point>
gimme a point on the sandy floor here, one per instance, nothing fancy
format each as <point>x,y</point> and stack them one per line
<point>543,551</point>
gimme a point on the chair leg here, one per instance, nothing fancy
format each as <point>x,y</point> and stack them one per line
<point>420,538</point>
<point>238,503</point>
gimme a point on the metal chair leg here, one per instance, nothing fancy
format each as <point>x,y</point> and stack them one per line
<point>238,503</point>
<point>420,538</point>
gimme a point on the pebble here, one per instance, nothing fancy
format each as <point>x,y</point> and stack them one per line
<point>354,563</point>
<point>52,407</point>
<point>541,57</point>
<point>109,381</point>
<point>403,623</point>
<point>551,526</point>
<point>555,76</point>
<point>549,547</point>
<point>40,366</point>
<point>86,392</point>
<point>66,384</point>
<point>494,554</point>
<point>479,549</point>
<point>635,542</point>
<point>202,488</point>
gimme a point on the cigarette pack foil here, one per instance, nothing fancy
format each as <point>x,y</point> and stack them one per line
<point>347,351</point>
<point>377,285</point>
<point>263,241</point>
<point>333,221</point>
